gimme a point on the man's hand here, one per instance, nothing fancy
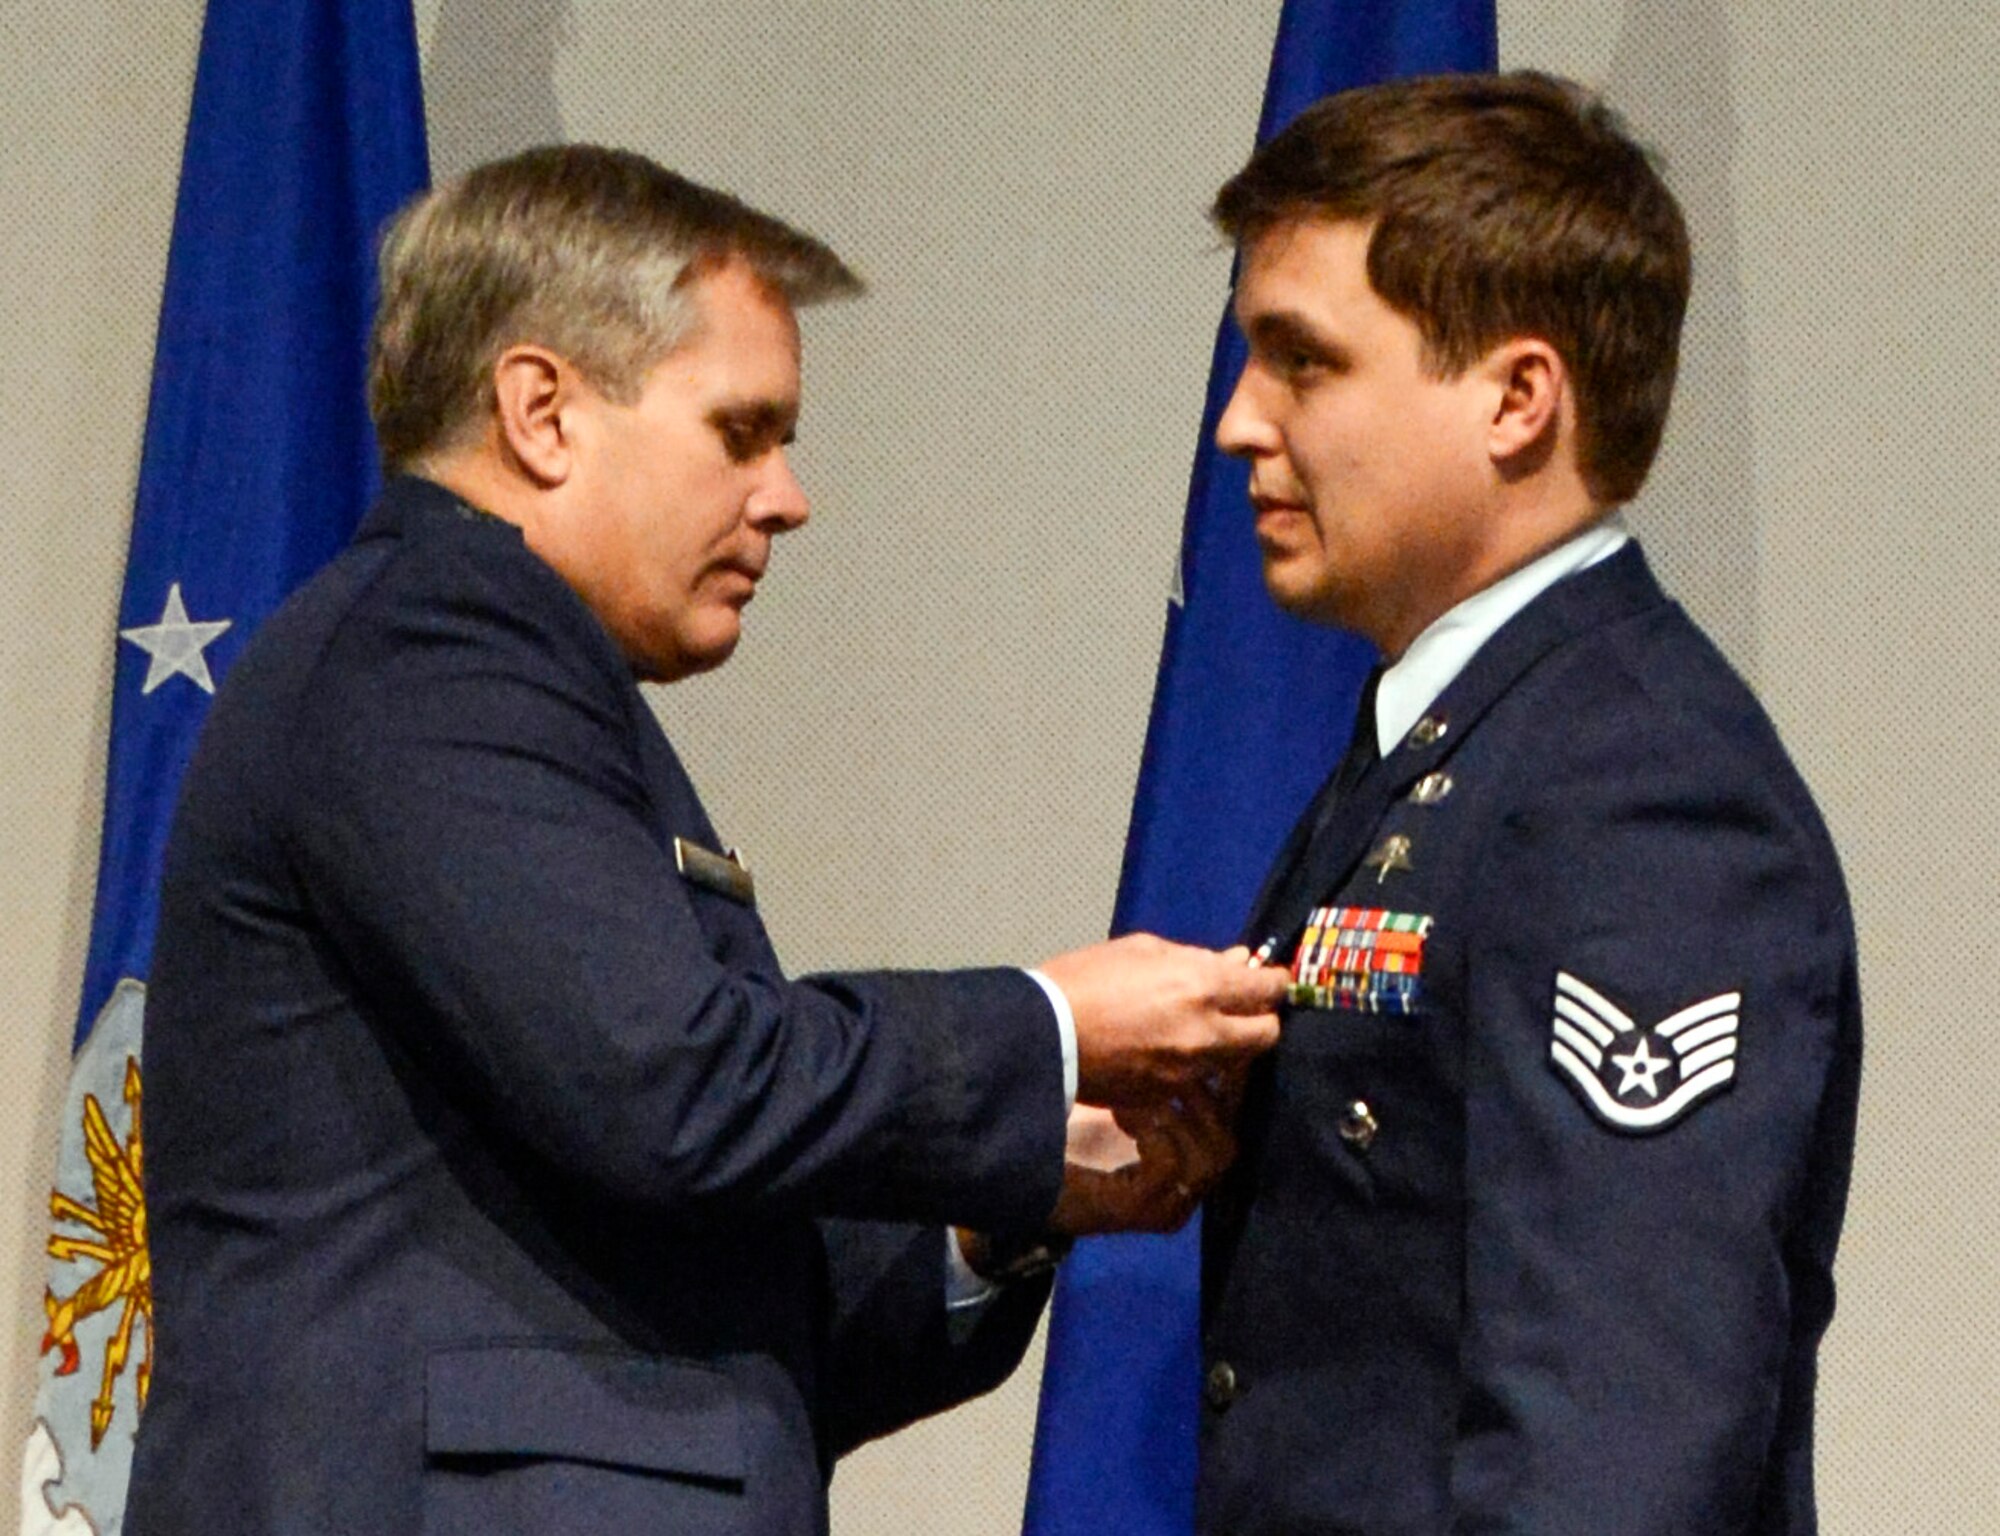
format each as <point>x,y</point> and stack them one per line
<point>1142,1171</point>
<point>1155,1021</point>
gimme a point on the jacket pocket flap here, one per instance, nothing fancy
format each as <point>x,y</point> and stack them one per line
<point>579,1404</point>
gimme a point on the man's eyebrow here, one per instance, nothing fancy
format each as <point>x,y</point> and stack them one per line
<point>766,418</point>
<point>1283,331</point>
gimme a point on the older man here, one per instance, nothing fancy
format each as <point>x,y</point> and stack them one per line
<point>499,1179</point>
<point>1535,1221</point>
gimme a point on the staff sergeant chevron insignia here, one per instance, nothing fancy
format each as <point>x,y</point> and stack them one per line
<point>1654,1088</point>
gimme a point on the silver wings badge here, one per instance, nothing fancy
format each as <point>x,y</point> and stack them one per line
<point>1636,1079</point>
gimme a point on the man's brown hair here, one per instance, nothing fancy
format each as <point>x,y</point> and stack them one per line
<point>1502,206</point>
<point>587,251</point>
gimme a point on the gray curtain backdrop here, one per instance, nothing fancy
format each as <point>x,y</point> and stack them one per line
<point>928,741</point>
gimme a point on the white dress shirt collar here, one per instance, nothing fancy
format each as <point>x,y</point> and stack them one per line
<point>1441,652</point>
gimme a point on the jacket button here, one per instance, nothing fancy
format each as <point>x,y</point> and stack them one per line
<point>1220,1387</point>
<point>1358,1125</point>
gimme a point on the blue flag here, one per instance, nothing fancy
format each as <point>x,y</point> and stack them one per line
<point>1251,711</point>
<point>305,133</point>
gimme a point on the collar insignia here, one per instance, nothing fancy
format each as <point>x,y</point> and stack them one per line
<point>1390,855</point>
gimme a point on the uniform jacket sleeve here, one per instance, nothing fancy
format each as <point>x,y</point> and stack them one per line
<point>1631,1292</point>
<point>895,1354</point>
<point>478,820</point>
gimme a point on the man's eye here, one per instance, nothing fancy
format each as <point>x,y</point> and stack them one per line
<point>749,436</point>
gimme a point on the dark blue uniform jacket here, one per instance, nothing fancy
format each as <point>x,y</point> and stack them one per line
<point>498,1178</point>
<point>1551,1253</point>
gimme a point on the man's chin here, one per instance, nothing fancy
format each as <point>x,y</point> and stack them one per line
<point>1296,591</point>
<point>688,657</point>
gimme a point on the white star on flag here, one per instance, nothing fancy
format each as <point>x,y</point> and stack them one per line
<point>175,644</point>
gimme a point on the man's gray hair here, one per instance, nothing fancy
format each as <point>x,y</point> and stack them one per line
<point>587,251</point>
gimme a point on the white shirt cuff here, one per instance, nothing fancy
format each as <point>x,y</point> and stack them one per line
<point>962,1286</point>
<point>1066,1032</point>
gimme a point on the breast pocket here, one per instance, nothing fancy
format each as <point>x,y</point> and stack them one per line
<point>555,1440</point>
<point>1364,1110</point>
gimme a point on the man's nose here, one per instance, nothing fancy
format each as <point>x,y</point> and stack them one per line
<point>1244,430</point>
<point>779,503</point>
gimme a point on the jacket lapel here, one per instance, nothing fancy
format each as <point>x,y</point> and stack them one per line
<point>1325,859</point>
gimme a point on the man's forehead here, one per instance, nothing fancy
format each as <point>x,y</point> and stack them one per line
<point>1308,265</point>
<point>741,345</point>
<point>732,299</point>
<point>1307,241</point>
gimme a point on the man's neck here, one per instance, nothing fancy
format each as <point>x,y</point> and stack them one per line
<point>1435,658</point>
<point>475,475</point>
<point>1523,522</point>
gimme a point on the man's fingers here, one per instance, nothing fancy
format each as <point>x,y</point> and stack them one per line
<point>1186,1148</point>
<point>1242,1035</point>
<point>1210,1100</point>
<point>1242,988</point>
<point>1097,1139</point>
<point>1211,1148</point>
<point>1178,1151</point>
<point>1203,1148</point>
<point>1153,1017</point>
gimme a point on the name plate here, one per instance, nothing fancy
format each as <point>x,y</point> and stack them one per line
<point>719,872</point>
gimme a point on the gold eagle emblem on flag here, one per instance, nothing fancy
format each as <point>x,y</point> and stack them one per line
<point>124,1273</point>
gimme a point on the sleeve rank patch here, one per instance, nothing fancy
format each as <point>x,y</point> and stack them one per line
<point>1360,958</point>
<point>1635,1079</point>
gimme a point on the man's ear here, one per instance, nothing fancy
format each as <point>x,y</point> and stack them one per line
<point>535,395</point>
<point>1531,388</point>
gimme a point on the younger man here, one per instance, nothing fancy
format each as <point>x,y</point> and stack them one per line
<point>1534,1225</point>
